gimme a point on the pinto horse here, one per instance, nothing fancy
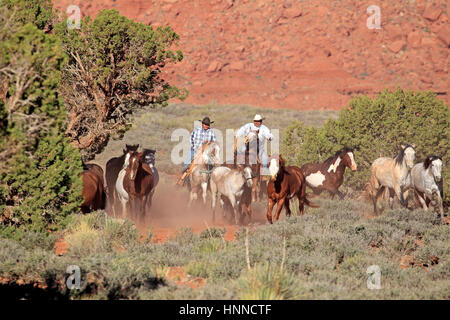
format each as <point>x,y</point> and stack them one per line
<point>329,175</point>
<point>113,167</point>
<point>285,183</point>
<point>392,174</point>
<point>134,185</point>
<point>93,192</point>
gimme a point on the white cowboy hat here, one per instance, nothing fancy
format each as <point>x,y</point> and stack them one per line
<point>258,118</point>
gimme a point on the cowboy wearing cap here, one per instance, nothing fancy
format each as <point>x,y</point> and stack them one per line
<point>263,133</point>
<point>200,136</point>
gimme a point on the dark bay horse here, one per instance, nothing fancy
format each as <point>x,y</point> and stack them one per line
<point>329,175</point>
<point>113,167</point>
<point>134,185</point>
<point>149,158</point>
<point>94,196</point>
<point>285,183</point>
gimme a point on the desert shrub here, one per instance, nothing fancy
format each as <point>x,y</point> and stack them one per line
<point>375,127</point>
<point>38,12</point>
<point>97,232</point>
<point>39,170</point>
<point>266,282</point>
<point>113,68</point>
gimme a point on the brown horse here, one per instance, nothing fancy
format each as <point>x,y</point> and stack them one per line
<point>113,167</point>
<point>286,182</point>
<point>329,175</point>
<point>134,185</point>
<point>93,192</point>
<point>250,158</point>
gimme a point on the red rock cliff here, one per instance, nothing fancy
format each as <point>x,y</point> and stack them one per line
<point>297,54</point>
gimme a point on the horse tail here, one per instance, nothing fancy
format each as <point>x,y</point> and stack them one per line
<point>368,191</point>
<point>310,203</point>
<point>303,192</point>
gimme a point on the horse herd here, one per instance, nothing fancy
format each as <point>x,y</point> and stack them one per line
<point>131,180</point>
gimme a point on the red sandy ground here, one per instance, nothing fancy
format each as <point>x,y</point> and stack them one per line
<point>312,54</point>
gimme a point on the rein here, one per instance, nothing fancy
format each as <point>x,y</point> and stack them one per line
<point>211,159</point>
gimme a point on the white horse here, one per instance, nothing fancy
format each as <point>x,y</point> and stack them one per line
<point>392,174</point>
<point>426,180</point>
<point>204,161</point>
<point>234,184</point>
<point>122,194</point>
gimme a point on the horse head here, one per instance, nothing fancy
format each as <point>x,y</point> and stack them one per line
<point>435,164</point>
<point>149,156</point>
<point>276,166</point>
<point>349,158</point>
<point>134,162</point>
<point>406,154</point>
<point>248,175</point>
<point>210,153</point>
<point>130,147</point>
<point>252,136</point>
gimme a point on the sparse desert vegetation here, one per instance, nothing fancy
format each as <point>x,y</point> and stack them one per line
<point>327,253</point>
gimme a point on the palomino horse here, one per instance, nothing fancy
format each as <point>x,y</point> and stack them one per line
<point>134,185</point>
<point>204,161</point>
<point>93,192</point>
<point>426,180</point>
<point>329,175</point>
<point>285,183</point>
<point>392,174</point>
<point>250,158</point>
<point>235,185</point>
<point>113,166</point>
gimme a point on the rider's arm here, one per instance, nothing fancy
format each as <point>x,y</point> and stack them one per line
<point>242,132</point>
<point>193,134</point>
<point>213,136</point>
<point>267,134</point>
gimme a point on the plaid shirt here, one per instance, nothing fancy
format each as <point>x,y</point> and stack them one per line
<point>200,136</point>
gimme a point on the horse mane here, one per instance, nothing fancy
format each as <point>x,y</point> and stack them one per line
<point>401,154</point>
<point>338,153</point>
<point>429,160</point>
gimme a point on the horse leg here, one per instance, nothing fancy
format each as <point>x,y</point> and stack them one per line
<point>280,204</point>
<point>258,188</point>
<point>422,201</point>
<point>204,190</point>
<point>440,204</point>
<point>340,194</point>
<point>253,191</point>
<point>143,208</point>
<point>270,205</point>
<point>192,196</point>
<point>248,212</point>
<point>399,194</point>
<point>288,209</point>
<point>213,199</point>
<point>234,205</point>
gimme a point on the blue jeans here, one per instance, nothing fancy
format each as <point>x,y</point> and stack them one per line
<point>189,158</point>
